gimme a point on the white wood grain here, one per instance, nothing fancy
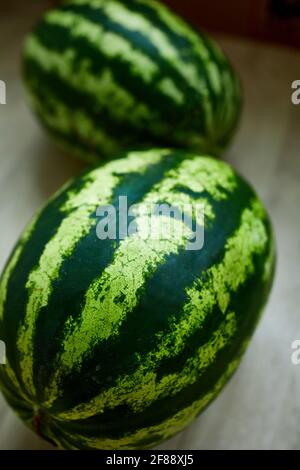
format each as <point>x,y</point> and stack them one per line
<point>260,407</point>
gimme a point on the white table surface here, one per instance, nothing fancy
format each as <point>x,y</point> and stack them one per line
<point>260,407</point>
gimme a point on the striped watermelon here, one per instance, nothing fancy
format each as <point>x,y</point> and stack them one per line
<point>109,75</point>
<point>119,344</point>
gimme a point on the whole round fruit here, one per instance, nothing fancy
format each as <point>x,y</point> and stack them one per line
<point>109,75</point>
<point>118,331</point>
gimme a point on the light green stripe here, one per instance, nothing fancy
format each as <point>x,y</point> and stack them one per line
<point>13,261</point>
<point>167,428</point>
<point>198,175</point>
<point>179,26</point>
<point>199,48</point>
<point>73,121</point>
<point>169,88</point>
<point>11,265</point>
<point>270,259</point>
<point>115,46</point>
<point>251,239</point>
<point>102,318</point>
<point>202,174</point>
<point>100,184</point>
<point>230,97</point>
<point>136,259</point>
<point>109,43</point>
<point>118,12</point>
<point>103,86</point>
<point>13,379</point>
<point>141,388</point>
<point>214,76</point>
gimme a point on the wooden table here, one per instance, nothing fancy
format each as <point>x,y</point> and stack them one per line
<point>260,407</point>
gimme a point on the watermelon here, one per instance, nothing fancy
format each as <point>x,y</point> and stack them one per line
<point>120,342</point>
<point>106,76</point>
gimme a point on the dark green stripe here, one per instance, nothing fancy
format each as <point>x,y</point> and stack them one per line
<point>120,421</point>
<point>142,43</point>
<point>66,298</point>
<point>163,296</point>
<point>46,85</point>
<point>224,129</point>
<point>9,392</point>
<point>66,440</point>
<point>59,39</point>
<point>181,42</point>
<point>68,141</point>
<point>17,295</point>
<point>185,49</point>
